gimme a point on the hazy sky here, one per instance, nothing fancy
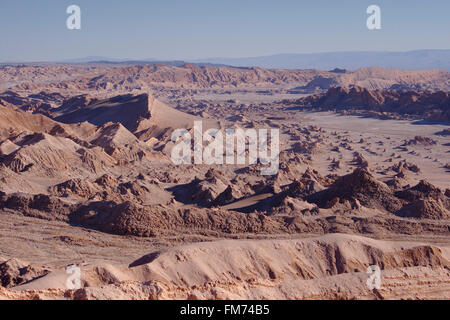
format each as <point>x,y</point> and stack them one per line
<point>193,29</point>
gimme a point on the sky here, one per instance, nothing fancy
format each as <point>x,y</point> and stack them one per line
<point>196,29</point>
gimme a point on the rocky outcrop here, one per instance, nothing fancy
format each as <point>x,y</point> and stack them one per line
<point>425,209</point>
<point>423,201</point>
<point>433,106</point>
<point>423,190</point>
<point>360,185</point>
<point>419,140</point>
<point>15,272</point>
<point>131,219</point>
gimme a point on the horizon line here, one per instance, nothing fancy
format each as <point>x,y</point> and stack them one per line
<point>199,60</point>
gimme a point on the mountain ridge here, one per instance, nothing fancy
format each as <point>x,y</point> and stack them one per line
<point>352,60</point>
<point>410,60</point>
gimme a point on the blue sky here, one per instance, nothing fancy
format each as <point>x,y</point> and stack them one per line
<point>195,29</point>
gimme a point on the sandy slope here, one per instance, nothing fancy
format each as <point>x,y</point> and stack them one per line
<point>327,267</point>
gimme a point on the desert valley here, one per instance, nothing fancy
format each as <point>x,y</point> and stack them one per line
<point>87,179</point>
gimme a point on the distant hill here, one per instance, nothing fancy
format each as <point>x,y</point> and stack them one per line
<point>410,60</point>
<point>432,106</point>
<point>56,77</point>
<point>350,60</point>
<point>138,62</point>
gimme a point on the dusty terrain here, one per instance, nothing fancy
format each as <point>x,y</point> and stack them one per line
<point>86,178</point>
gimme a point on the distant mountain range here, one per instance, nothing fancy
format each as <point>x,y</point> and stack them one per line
<point>410,60</point>
<point>351,60</point>
<point>106,60</point>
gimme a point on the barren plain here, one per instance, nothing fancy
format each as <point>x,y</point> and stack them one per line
<point>87,179</point>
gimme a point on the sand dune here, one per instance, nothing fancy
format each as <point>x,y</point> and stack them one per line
<point>328,267</point>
